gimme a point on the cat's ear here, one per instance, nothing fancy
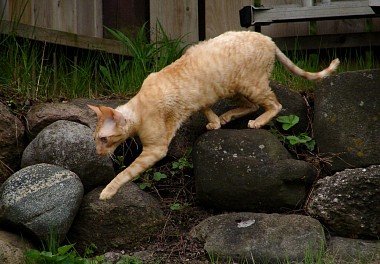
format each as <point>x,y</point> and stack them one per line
<point>96,109</point>
<point>119,118</point>
<point>108,112</point>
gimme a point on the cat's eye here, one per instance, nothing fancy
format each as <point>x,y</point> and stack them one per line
<point>103,140</point>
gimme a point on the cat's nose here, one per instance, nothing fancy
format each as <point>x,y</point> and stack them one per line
<point>101,152</point>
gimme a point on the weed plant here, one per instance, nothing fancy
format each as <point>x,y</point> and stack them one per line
<point>146,57</point>
<point>37,70</point>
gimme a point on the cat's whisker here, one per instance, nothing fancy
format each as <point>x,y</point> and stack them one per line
<point>113,157</point>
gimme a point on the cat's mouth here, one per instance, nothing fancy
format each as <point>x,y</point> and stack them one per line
<point>104,152</point>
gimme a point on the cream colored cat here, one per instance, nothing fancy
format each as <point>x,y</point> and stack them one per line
<point>234,63</point>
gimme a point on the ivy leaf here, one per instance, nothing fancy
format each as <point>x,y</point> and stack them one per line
<point>144,185</point>
<point>175,165</point>
<point>288,121</point>
<point>177,206</point>
<point>293,140</point>
<point>310,145</point>
<point>303,138</point>
<point>157,176</point>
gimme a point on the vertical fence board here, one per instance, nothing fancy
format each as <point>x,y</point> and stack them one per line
<point>73,16</point>
<point>223,15</point>
<point>66,18</point>
<point>285,29</point>
<point>98,16</point>
<point>43,13</point>
<point>4,10</point>
<point>125,16</point>
<point>17,10</point>
<point>178,18</point>
<point>86,17</point>
<point>22,11</point>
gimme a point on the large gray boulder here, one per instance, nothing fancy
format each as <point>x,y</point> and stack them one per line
<point>352,251</point>
<point>41,199</point>
<point>348,202</point>
<point>11,142</point>
<point>346,119</point>
<point>43,114</point>
<point>70,145</point>
<point>260,238</point>
<point>12,248</point>
<point>130,218</point>
<point>248,170</point>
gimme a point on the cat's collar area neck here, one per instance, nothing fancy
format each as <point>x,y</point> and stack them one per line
<point>128,113</point>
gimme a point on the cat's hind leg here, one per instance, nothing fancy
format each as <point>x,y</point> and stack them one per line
<point>246,108</point>
<point>213,119</point>
<point>272,108</point>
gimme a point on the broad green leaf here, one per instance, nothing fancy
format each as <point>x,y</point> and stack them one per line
<point>144,185</point>
<point>175,207</point>
<point>293,140</point>
<point>288,121</point>
<point>46,254</point>
<point>175,165</point>
<point>64,249</point>
<point>62,259</point>
<point>310,145</point>
<point>157,176</point>
<point>33,254</point>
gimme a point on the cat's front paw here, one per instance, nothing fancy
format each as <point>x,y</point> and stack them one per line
<point>107,193</point>
<point>254,124</point>
<point>213,126</point>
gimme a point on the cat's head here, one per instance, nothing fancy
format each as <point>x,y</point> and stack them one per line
<point>110,130</point>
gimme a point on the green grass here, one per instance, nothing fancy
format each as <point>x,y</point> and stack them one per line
<point>42,71</point>
<point>53,253</point>
<point>350,60</point>
<point>146,57</point>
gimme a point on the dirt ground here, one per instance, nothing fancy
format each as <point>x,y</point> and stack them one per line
<point>174,243</point>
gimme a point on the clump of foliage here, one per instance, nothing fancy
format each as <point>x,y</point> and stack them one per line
<point>177,168</point>
<point>145,57</point>
<point>66,254</point>
<point>53,253</point>
<point>41,71</point>
<point>291,140</point>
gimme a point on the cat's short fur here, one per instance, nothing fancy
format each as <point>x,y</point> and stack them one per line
<point>234,63</point>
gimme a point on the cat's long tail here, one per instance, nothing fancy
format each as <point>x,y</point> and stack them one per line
<point>307,75</point>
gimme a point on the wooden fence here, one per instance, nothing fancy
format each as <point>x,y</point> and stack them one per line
<point>194,19</point>
<point>223,15</point>
<point>82,17</point>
